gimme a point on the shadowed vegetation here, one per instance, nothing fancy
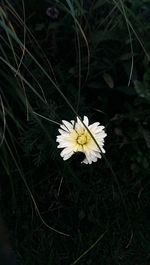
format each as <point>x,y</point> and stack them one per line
<point>60,59</point>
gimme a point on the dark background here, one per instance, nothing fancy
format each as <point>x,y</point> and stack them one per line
<point>97,54</point>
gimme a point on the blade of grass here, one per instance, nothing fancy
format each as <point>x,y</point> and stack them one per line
<point>30,193</point>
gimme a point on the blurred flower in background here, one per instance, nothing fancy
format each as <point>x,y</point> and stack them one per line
<point>52,12</point>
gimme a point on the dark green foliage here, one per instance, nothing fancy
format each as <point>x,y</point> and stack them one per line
<point>93,57</point>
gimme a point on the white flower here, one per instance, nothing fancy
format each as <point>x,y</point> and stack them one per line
<point>76,136</point>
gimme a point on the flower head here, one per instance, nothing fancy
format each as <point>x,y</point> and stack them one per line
<point>77,136</point>
<point>52,12</point>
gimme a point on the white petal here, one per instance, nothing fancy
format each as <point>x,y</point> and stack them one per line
<point>102,150</point>
<point>98,155</point>
<point>65,144</point>
<point>66,151</point>
<point>94,158</point>
<point>60,137</point>
<point>78,120</point>
<point>86,121</point>
<point>68,155</point>
<point>68,125</point>
<point>100,131</point>
<point>73,122</point>
<point>93,127</point>
<point>62,132</point>
<point>88,157</point>
<point>93,147</point>
<point>64,128</point>
<point>78,125</point>
<point>85,161</point>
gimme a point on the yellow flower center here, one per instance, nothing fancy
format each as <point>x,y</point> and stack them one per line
<point>82,139</point>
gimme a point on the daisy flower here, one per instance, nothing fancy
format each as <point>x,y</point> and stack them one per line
<point>77,136</point>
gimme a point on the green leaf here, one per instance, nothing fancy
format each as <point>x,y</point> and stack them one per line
<point>108,79</point>
<point>142,90</point>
